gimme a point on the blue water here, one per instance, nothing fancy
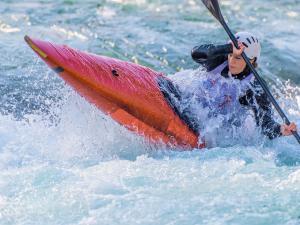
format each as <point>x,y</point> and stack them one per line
<point>64,162</point>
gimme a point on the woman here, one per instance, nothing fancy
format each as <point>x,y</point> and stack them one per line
<point>224,63</point>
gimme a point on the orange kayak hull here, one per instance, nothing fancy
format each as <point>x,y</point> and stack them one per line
<point>127,92</point>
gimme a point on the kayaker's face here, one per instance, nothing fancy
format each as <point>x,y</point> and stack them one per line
<point>236,64</point>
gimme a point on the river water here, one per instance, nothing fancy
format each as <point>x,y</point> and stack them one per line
<point>64,162</point>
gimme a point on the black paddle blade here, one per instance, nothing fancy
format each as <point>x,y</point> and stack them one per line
<point>214,8</point>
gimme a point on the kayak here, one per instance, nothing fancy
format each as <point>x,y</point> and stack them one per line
<point>130,94</point>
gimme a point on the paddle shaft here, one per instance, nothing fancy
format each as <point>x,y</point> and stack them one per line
<point>260,80</point>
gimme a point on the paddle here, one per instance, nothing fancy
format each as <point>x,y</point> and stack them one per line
<point>214,8</point>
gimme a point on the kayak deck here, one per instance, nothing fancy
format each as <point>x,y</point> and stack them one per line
<point>127,92</point>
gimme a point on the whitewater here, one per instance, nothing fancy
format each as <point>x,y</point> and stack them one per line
<point>62,161</point>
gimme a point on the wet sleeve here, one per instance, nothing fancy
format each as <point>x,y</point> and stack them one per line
<point>263,112</point>
<point>210,56</point>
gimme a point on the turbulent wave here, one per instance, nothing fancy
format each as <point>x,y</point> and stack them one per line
<point>64,162</point>
<point>219,127</point>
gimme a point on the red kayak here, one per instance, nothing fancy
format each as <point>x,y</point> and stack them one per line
<point>127,92</point>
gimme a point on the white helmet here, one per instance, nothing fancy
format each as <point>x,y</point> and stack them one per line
<point>252,44</point>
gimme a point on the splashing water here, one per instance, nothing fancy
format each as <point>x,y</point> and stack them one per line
<point>64,162</point>
<point>221,126</point>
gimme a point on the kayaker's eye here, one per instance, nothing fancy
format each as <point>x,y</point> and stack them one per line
<point>115,73</point>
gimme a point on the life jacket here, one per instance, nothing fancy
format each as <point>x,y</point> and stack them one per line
<point>221,95</point>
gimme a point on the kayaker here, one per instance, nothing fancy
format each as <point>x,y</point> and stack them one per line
<point>224,62</point>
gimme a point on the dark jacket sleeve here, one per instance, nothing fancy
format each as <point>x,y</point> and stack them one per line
<point>210,56</point>
<point>257,99</point>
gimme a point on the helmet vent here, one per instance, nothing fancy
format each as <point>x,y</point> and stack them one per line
<point>245,44</point>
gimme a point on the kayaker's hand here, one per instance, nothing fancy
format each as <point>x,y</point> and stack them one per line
<point>286,130</point>
<point>238,52</point>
